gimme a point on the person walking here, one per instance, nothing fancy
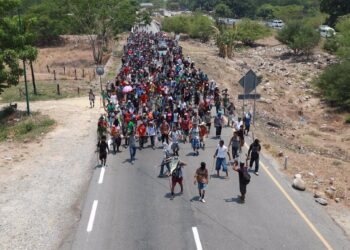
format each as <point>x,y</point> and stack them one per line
<point>194,137</point>
<point>243,177</point>
<point>202,134</point>
<point>240,134</point>
<point>177,177</point>
<point>91,98</point>
<point>142,133</point>
<point>201,178</point>
<point>103,150</point>
<point>132,146</point>
<point>253,153</point>
<point>164,130</point>
<point>218,121</point>
<point>247,121</point>
<point>166,160</point>
<point>151,132</point>
<point>234,143</point>
<point>175,141</point>
<point>207,119</point>
<point>220,155</point>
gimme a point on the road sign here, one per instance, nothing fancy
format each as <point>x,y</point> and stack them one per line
<point>249,81</point>
<point>249,96</point>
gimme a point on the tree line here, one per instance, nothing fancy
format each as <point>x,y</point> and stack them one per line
<point>27,24</point>
<point>300,33</point>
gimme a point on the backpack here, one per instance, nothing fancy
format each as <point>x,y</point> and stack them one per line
<point>177,172</point>
<point>246,177</point>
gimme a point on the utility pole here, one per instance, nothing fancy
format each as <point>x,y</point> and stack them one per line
<point>21,30</point>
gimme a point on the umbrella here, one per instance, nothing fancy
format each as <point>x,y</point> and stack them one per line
<point>127,89</point>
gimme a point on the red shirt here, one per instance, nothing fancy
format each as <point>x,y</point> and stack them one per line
<point>141,130</point>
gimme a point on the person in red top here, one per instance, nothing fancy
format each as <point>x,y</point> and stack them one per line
<point>144,98</point>
<point>141,131</point>
<point>164,130</point>
<point>186,125</point>
<point>202,133</point>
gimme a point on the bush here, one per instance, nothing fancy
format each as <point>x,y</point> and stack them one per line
<point>27,128</point>
<point>197,26</point>
<point>6,112</point>
<point>249,31</point>
<point>299,37</point>
<point>347,119</point>
<point>331,45</point>
<point>334,84</point>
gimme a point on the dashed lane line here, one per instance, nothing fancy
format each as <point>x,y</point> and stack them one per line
<point>102,174</point>
<point>196,238</point>
<point>92,216</point>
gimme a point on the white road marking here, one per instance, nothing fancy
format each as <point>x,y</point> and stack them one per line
<point>102,174</point>
<point>92,216</point>
<point>196,238</point>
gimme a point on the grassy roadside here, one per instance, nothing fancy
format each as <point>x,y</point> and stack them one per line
<point>46,91</point>
<point>16,125</point>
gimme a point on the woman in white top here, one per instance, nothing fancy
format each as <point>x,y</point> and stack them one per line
<point>220,153</point>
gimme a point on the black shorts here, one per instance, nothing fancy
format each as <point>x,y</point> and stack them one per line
<point>103,156</point>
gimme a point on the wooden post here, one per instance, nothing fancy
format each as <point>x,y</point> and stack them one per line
<point>286,162</point>
<point>54,75</point>
<point>58,89</point>
<point>83,73</point>
<point>48,68</point>
<point>78,91</point>
<point>75,74</point>
<point>64,70</point>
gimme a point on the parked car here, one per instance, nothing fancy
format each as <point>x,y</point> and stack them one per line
<point>326,31</point>
<point>276,24</point>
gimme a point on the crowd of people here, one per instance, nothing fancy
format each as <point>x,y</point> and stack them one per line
<point>160,98</point>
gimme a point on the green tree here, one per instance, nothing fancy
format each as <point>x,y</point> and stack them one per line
<point>201,27</point>
<point>48,20</point>
<point>266,11</point>
<point>299,37</point>
<point>222,10</point>
<point>343,37</point>
<point>103,20</point>
<point>289,12</point>
<point>248,31</point>
<point>15,43</point>
<point>333,83</point>
<point>335,9</point>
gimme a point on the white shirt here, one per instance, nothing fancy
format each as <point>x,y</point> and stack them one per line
<point>238,124</point>
<point>222,151</point>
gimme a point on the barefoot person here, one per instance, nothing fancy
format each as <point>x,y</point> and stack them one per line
<point>103,150</point>
<point>201,177</point>
<point>221,153</point>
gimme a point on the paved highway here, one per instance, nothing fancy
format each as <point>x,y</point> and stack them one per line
<point>128,207</point>
<point>133,210</point>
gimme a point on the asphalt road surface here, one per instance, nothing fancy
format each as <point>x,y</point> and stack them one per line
<point>128,207</point>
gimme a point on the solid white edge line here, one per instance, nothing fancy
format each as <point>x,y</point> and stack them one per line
<point>196,238</point>
<point>92,216</point>
<point>102,173</point>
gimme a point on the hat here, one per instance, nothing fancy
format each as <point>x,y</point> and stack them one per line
<point>202,124</point>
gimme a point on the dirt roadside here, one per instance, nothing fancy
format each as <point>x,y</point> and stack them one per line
<point>43,182</point>
<point>310,134</point>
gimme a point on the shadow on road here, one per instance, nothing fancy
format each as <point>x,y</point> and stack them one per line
<point>235,199</point>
